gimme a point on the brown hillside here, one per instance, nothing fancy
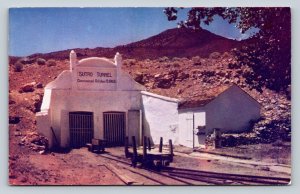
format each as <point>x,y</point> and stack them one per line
<point>171,43</point>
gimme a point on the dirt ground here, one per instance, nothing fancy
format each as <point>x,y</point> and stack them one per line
<point>81,167</point>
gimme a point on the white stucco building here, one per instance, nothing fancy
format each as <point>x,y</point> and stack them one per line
<point>96,99</point>
<point>228,111</point>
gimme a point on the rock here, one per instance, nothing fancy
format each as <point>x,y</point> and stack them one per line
<point>17,133</point>
<point>14,119</point>
<point>157,76</point>
<point>12,176</point>
<point>27,87</point>
<point>37,103</point>
<point>138,77</point>
<point>39,85</point>
<point>282,106</point>
<point>11,101</point>
<point>26,60</point>
<point>165,82</point>
<point>42,152</point>
<point>183,76</point>
<point>179,91</point>
<point>24,179</point>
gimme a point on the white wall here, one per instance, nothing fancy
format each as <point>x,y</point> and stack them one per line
<point>160,117</point>
<point>63,101</point>
<point>231,111</point>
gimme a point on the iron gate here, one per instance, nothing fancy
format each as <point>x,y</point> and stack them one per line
<point>114,128</point>
<point>81,128</point>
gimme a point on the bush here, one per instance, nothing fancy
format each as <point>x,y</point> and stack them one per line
<point>41,61</point>
<point>215,55</point>
<point>226,55</point>
<point>163,59</point>
<point>18,66</point>
<point>51,62</point>
<point>196,60</point>
<point>130,62</point>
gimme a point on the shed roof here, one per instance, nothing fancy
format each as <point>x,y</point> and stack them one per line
<point>202,100</point>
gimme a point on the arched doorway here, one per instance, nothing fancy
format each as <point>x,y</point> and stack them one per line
<point>114,128</point>
<point>81,128</point>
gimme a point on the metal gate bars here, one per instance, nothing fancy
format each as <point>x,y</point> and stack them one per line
<point>81,128</point>
<point>114,128</point>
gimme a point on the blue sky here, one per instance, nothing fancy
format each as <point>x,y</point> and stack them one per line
<point>42,30</point>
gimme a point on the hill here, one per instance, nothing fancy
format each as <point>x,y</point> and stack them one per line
<point>171,43</point>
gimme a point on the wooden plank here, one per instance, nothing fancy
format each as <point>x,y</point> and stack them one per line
<point>122,176</point>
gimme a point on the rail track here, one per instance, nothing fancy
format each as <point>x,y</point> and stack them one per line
<point>180,176</point>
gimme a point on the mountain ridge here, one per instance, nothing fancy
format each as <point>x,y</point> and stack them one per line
<point>173,42</point>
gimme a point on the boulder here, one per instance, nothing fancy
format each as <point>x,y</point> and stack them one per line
<point>38,99</point>
<point>27,87</point>
<point>39,85</point>
<point>14,119</point>
<point>138,77</point>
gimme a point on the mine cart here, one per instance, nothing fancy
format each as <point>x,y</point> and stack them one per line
<point>149,156</point>
<point>97,145</point>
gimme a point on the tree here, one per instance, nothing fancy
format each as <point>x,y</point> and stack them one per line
<point>267,53</point>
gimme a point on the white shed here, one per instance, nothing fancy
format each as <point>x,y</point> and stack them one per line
<point>229,111</point>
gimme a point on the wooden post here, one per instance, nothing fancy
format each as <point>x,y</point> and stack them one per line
<point>149,144</point>
<point>135,155</point>
<point>160,144</point>
<point>145,148</point>
<point>126,147</point>
<point>217,138</point>
<point>171,150</point>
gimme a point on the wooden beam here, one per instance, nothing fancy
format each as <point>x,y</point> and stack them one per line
<point>122,176</point>
<point>160,144</point>
<point>126,147</point>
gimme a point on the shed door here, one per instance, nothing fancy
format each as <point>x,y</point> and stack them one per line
<point>81,128</point>
<point>114,128</point>
<point>189,130</point>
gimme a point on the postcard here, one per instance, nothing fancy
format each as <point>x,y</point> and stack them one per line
<point>150,96</point>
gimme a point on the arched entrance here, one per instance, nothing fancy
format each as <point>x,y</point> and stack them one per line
<point>81,128</point>
<point>114,128</point>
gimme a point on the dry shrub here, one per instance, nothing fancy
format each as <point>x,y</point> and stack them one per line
<point>41,61</point>
<point>18,66</point>
<point>215,55</point>
<point>51,62</point>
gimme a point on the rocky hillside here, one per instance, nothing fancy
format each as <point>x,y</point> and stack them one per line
<point>197,80</point>
<point>171,43</point>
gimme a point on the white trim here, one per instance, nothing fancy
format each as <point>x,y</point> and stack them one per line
<point>159,96</point>
<point>82,62</point>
